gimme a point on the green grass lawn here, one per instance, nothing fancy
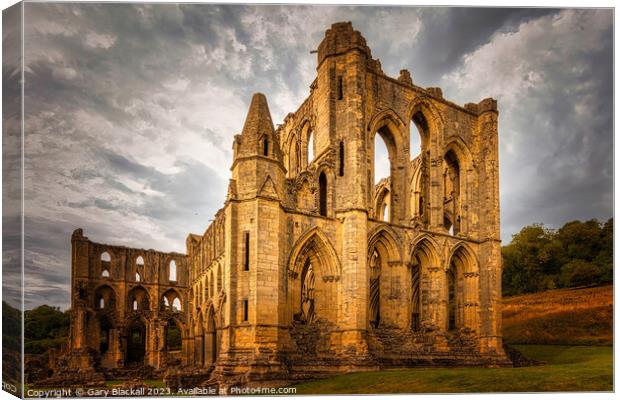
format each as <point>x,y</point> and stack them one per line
<point>568,368</point>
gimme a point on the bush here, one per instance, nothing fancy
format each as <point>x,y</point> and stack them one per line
<point>579,273</point>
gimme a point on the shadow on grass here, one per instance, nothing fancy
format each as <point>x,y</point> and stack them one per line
<point>568,368</point>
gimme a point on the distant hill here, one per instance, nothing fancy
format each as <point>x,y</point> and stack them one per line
<point>563,316</point>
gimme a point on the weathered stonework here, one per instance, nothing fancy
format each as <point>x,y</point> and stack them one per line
<point>310,268</point>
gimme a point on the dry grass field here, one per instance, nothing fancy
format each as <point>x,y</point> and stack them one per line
<point>564,316</point>
<point>570,330</point>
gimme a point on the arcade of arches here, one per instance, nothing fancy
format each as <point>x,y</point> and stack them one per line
<point>362,232</point>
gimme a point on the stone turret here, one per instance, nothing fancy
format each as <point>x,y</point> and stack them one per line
<point>257,167</point>
<point>258,136</point>
<point>340,38</point>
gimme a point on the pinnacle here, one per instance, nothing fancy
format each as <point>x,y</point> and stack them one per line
<point>258,120</point>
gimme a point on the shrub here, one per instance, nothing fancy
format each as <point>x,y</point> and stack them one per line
<point>580,273</point>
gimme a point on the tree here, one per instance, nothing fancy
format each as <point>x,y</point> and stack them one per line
<point>579,273</point>
<point>538,258</point>
<point>526,259</point>
<point>45,327</point>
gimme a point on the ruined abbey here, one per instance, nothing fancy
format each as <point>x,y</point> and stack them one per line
<point>312,266</point>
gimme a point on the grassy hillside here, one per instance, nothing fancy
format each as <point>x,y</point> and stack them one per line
<point>567,368</point>
<point>564,316</point>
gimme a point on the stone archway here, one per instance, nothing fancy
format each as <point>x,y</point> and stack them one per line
<point>211,339</point>
<point>313,276</point>
<point>135,343</point>
<point>384,269</point>
<point>425,279</point>
<point>390,129</point>
<point>199,343</point>
<point>462,296</point>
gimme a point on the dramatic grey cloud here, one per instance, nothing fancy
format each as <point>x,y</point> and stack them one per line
<point>132,109</point>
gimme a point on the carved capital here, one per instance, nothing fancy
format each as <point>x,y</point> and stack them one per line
<point>331,278</point>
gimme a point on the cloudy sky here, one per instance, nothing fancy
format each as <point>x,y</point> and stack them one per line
<point>131,109</point>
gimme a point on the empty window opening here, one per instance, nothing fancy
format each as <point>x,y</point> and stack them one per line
<point>172,275</point>
<point>266,146</point>
<point>385,214</point>
<point>134,306</point>
<point>323,194</point>
<point>341,169</point>
<point>104,340</point>
<point>245,310</point>
<point>105,257</point>
<point>307,293</point>
<point>138,277</point>
<point>415,296</point>
<point>101,303</point>
<point>375,289</point>
<point>104,335</point>
<point>420,155</point>
<point>105,273</point>
<point>246,252</point>
<point>173,336</point>
<point>382,160</point>
<point>139,260</point>
<point>452,297</point>
<point>340,88</point>
<point>310,147</point>
<point>415,141</point>
<point>176,304</point>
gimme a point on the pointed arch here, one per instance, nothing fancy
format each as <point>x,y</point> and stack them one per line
<point>460,148</point>
<point>424,258</point>
<point>457,169</point>
<point>171,300</point>
<point>292,154</point>
<point>105,257</point>
<point>314,271</point>
<point>172,271</point>
<point>428,246</point>
<point>416,188</point>
<point>382,201</point>
<point>306,138</point>
<point>212,337</point>
<point>265,146</point>
<point>423,117</point>
<point>105,297</point>
<point>383,252</point>
<point>462,295</point>
<point>199,341</point>
<point>392,132</point>
<point>138,299</point>
<point>463,252</point>
<point>391,128</point>
<point>386,238</point>
<point>314,240</point>
<point>433,118</point>
<point>386,117</point>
